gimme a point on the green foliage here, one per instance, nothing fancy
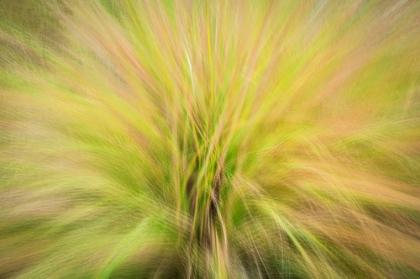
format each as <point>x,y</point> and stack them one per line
<point>209,139</point>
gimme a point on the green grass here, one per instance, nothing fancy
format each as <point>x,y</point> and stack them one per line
<point>209,139</point>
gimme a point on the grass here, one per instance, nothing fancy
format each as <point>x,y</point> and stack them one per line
<point>210,139</point>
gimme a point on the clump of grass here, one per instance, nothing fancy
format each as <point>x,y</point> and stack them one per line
<point>210,139</point>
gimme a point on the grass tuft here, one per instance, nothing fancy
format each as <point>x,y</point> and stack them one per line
<point>209,139</point>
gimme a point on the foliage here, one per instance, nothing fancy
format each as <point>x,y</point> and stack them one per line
<point>210,139</point>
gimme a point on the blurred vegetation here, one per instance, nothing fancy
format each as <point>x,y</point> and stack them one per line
<point>209,139</point>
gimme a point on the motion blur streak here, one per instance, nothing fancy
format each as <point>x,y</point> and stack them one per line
<point>210,139</point>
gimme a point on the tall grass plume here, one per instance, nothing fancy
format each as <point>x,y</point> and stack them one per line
<point>210,139</point>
